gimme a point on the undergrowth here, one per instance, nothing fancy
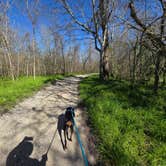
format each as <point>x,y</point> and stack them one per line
<point>129,122</point>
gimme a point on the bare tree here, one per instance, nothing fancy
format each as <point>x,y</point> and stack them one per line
<point>33,12</point>
<point>98,26</point>
<point>4,36</point>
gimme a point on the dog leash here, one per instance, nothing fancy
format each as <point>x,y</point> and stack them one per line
<point>80,143</point>
<point>51,141</point>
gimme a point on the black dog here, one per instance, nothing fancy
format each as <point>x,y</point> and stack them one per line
<point>69,114</point>
<point>65,122</point>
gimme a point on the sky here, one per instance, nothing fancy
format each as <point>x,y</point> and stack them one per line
<point>21,23</point>
<point>49,17</point>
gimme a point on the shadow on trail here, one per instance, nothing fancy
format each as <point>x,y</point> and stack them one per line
<point>20,155</point>
<point>43,114</point>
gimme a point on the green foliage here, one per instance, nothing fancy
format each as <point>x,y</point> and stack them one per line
<point>129,122</point>
<point>12,91</point>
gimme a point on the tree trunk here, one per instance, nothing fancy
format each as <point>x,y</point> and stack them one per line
<point>11,66</point>
<point>134,66</point>
<point>164,71</point>
<point>104,60</point>
<point>34,67</point>
<point>100,66</point>
<point>34,57</point>
<point>161,53</point>
<point>104,65</point>
<point>63,56</point>
<point>18,65</point>
<point>130,67</point>
<point>163,78</point>
<point>8,53</point>
<point>27,70</point>
<point>156,73</point>
<point>28,64</point>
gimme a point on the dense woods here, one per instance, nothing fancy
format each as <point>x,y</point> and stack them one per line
<point>23,55</point>
<point>124,39</point>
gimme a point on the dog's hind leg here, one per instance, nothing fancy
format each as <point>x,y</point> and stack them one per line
<point>60,134</point>
<point>71,130</point>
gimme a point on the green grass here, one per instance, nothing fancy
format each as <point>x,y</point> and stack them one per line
<point>12,91</point>
<point>130,124</point>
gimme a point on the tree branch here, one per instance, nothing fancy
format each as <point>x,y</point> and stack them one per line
<point>134,15</point>
<point>148,32</point>
<point>70,12</point>
<point>96,36</point>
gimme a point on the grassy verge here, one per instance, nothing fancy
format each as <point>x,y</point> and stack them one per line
<point>130,124</point>
<point>12,91</point>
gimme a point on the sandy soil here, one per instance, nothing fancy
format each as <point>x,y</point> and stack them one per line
<point>37,117</point>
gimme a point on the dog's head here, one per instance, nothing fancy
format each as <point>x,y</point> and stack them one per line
<point>70,111</point>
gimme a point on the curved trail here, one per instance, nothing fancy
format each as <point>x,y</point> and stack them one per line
<point>37,117</point>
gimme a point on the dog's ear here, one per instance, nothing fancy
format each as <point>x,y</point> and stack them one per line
<point>68,108</point>
<point>73,111</point>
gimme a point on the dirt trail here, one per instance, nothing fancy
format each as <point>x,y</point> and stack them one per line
<point>37,117</point>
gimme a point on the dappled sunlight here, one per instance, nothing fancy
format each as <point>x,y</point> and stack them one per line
<point>129,121</point>
<point>37,116</point>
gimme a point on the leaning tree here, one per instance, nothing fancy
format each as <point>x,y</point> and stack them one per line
<point>154,30</point>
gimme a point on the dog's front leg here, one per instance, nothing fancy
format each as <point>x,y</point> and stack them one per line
<point>60,134</point>
<point>65,139</point>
